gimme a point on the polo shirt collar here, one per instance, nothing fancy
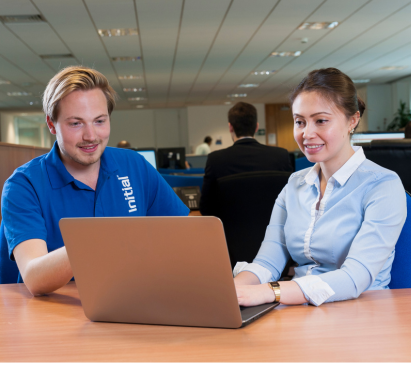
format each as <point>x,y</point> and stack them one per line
<point>342,174</point>
<point>60,177</point>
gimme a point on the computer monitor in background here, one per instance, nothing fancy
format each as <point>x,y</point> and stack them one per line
<point>363,137</point>
<point>149,155</point>
<point>172,157</point>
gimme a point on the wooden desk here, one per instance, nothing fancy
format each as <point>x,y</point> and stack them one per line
<point>375,327</point>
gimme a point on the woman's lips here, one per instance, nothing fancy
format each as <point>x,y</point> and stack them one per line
<point>313,148</point>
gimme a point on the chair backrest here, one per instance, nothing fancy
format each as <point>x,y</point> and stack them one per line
<point>8,269</point>
<point>391,154</point>
<point>401,267</point>
<point>245,202</point>
<point>183,180</point>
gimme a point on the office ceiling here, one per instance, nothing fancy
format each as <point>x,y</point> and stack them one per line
<point>197,52</point>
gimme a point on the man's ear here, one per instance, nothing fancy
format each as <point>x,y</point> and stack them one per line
<point>230,127</point>
<point>50,125</point>
<point>256,129</point>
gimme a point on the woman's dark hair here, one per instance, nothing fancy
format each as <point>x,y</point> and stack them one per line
<point>208,139</point>
<point>333,85</point>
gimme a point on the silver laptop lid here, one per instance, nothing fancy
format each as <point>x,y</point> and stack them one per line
<point>153,270</point>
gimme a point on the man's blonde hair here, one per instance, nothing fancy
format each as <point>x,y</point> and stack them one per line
<point>74,78</point>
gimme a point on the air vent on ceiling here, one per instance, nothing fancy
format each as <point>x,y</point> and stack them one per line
<point>57,56</point>
<point>35,18</point>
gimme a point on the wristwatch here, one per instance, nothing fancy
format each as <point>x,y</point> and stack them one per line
<point>275,286</point>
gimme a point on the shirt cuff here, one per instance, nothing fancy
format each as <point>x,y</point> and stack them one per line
<point>263,274</point>
<point>315,290</point>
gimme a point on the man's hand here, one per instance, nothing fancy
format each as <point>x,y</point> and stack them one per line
<point>251,295</point>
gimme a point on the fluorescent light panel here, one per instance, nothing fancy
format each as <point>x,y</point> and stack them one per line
<point>236,95</point>
<point>361,81</point>
<point>118,32</point>
<point>18,94</point>
<point>318,25</point>
<point>264,72</point>
<point>126,58</point>
<point>136,99</point>
<point>129,77</point>
<point>248,85</point>
<point>393,68</point>
<point>286,54</point>
<point>133,89</point>
<point>139,106</point>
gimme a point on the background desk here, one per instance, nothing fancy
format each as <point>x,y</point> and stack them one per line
<point>375,327</point>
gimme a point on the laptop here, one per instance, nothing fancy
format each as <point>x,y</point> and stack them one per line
<point>155,270</point>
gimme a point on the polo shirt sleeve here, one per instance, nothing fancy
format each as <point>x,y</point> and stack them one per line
<point>162,200</point>
<point>21,212</point>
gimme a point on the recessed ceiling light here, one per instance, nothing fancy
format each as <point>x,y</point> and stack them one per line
<point>286,54</point>
<point>118,32</point>
<point>18,94</point>
<point>139,106</point>
<point>126,58</point>
<point>129,77</point>
<point>4,81</point>
<point>136,98</point>
<point>57,56</point>
<point>361,81</point>
<point>264,72</point>
<point>248,85</point>
<point>236,95</point>
<point>318,25</point>
<point>393,68</point>
<point>133,89</point>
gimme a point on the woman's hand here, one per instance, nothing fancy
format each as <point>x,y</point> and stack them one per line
<point>251,295</point>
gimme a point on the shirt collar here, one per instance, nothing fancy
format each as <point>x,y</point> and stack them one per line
<point>342,174</point>
<point>60,177</point>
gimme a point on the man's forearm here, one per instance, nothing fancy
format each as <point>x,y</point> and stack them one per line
<point>48,273</point>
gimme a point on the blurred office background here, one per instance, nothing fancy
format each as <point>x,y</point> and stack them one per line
<point>179,65</point>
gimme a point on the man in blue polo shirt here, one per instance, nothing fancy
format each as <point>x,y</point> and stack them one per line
<point>79,177</point>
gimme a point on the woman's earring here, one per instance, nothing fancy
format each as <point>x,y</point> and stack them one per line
<point>352,131</point>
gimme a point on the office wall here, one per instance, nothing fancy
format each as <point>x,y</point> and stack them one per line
<point>150,127</point>
<point>7,132</point>
<point>379,106</point>
<point>212,121</point>
<point>401,91</point>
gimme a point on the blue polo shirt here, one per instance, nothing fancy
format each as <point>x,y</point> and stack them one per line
<point>38,194</point>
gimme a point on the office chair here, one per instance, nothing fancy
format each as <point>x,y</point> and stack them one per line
<point>401,267</point>
<point>244,205</point>
<point>391,154</point>
<point>8,269</point>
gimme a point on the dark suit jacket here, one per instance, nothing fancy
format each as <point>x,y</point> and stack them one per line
<point>246,155</point>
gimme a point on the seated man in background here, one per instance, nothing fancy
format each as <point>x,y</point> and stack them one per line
<point>246,155</point>
<point>204,148</point>
<point>79,177</point>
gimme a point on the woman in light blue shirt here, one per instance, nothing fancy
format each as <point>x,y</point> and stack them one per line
<point>339,220</point>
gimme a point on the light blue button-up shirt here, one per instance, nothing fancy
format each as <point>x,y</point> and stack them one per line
<point>347,245</point>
